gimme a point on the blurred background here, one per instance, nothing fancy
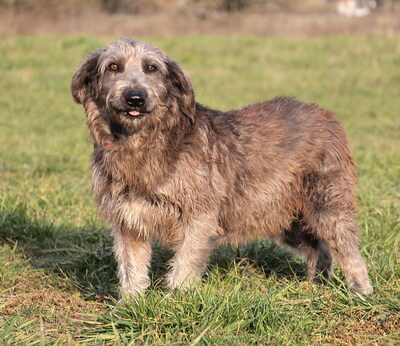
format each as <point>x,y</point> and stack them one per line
<point>172,17</point>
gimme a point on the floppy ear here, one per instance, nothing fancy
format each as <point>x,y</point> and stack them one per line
<point>82,85</point>
<point>182,89</point>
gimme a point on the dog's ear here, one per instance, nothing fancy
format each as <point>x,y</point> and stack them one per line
<point>82,82</point>
<point>181,89</point>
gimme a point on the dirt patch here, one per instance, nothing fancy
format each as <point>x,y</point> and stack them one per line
<point>365,327</point>
<point>50,300</point>
<point>40,291</point>
<point>281,24</point>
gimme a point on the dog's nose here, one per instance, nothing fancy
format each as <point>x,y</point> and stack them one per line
<point>135,98</point>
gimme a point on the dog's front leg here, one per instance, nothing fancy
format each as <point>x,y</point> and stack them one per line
<point>133,256</point>
<point>192,254</point>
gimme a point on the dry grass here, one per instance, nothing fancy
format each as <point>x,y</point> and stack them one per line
<point>366,327</point>
<point>47,304</point>
<point>38,291</point>
<point>282,24</point>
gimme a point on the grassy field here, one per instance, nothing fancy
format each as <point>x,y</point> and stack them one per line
<point>57,274</point>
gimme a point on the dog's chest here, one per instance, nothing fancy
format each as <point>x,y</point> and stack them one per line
<point>147,217</point>
<point>153,215</point>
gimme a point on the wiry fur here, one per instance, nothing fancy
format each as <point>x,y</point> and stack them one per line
<point>191,178</point>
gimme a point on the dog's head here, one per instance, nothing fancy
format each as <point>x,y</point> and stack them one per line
<point>130,81</point>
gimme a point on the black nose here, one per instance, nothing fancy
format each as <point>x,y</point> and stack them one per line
<point>135,98</point>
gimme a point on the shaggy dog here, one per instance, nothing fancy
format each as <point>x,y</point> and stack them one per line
<point>170,170</point>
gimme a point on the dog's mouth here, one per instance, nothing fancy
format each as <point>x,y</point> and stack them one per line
<point>134,113</point>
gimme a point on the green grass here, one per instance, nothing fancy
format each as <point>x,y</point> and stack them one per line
<point>57,273</point>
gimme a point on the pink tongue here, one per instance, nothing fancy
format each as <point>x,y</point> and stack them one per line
<point>134,113</point>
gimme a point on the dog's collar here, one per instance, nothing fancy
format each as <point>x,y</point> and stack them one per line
<point>113,147</point>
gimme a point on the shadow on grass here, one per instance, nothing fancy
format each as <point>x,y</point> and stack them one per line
<point>85,257</point>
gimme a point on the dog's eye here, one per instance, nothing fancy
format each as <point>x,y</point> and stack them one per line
<point>151,68</point>
<point>113,67</point>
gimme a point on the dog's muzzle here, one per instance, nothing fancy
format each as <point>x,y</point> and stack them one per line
<point>136,101</point>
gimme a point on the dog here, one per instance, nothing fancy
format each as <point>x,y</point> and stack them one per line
<point>169,170</point>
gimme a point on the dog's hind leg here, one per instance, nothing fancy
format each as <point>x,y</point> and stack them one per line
<point>340,235</point>
<point>330,217</point>
<point>319,259</point>
<point>133,256</point>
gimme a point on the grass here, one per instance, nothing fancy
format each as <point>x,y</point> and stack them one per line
<point>57,274</point>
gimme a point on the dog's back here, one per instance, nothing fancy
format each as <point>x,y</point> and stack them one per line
<point>265,162</point>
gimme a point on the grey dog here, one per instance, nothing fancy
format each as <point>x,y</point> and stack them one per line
<point>169,170</point>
